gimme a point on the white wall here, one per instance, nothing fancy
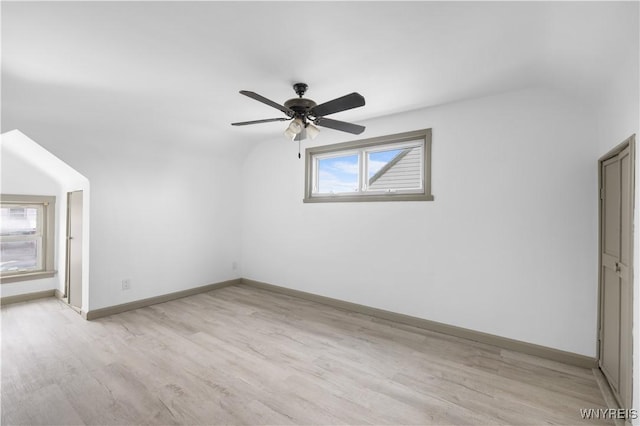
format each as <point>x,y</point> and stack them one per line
<point>27,168</point>
<point>169,221</point>
<point>508,247</point>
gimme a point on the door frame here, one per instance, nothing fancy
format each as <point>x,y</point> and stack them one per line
<point>631,144</point>
<point>67,280</point>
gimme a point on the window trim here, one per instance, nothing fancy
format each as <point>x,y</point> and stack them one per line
<point>311,154</point>
<point>48,204</point>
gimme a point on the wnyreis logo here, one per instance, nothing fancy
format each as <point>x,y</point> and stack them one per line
<point>608,413</point>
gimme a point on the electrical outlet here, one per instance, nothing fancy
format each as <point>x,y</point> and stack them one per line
<point>126,284</point>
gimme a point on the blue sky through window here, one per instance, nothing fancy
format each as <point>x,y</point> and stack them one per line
<point>338,174</point>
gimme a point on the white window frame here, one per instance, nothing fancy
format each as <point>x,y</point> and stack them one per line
<point>419,138</point>
<point>45,236</point>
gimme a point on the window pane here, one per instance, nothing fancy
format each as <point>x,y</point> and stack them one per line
<point>394,169</point>
<point>19,255</point>
<point>338,174</point>
<point>377,160</point>
<point>18,220</point>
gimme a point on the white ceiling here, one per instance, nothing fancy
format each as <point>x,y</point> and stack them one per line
<point>168,73</point>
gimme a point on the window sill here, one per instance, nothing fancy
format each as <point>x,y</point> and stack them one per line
<point>359,198</point>
<point>27,276</point>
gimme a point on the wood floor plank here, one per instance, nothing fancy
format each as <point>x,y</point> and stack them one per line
<point>245,356</point>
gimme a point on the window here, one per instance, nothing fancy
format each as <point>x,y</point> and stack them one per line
<point>26,237</point>
<point>388,168</point>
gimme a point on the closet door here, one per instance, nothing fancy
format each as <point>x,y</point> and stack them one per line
<point>616,233</point>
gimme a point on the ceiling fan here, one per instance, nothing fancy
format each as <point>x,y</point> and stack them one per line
<point>303,112</point>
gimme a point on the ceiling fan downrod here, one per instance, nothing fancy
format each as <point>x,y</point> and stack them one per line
<point>300,88</point>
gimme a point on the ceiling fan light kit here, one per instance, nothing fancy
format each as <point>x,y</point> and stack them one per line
<point>295,127</point>
<point>304,113</point>
<point>312,131</point>
<point>290,134</point>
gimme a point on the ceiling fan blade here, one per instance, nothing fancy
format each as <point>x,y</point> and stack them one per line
<point>269,102</point>
<point>343,126</point>
<point>352,100</point>
<point>266,120</point>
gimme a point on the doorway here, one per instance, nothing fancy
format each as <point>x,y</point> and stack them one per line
<point>617,189</point>
<point>73,285</point>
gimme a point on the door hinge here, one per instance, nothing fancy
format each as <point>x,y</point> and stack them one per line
<point>602,193</point>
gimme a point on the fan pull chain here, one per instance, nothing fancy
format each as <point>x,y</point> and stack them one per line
<point>298,148</point>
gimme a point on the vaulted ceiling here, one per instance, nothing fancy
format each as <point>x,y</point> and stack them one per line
<point>167,74</point>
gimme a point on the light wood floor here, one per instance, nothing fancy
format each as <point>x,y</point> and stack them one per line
<point>239,355</point>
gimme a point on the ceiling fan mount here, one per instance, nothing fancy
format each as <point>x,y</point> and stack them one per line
<point>300,88</point>
<point>303,112</point>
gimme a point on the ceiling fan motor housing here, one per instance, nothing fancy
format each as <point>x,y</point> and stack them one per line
<point>300,106</point>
